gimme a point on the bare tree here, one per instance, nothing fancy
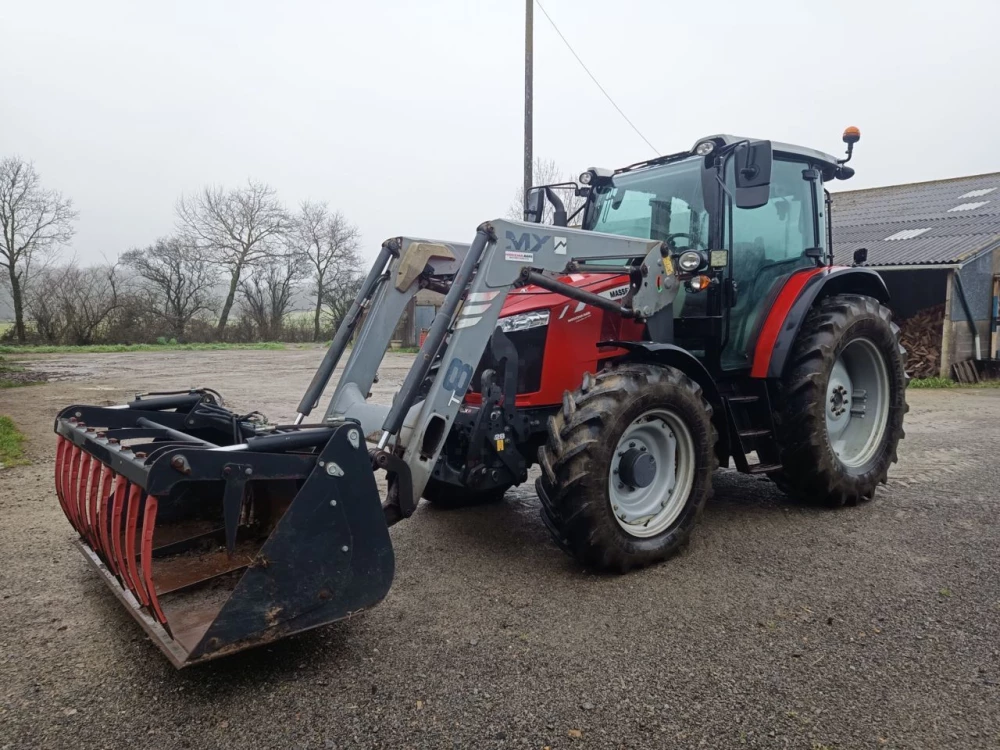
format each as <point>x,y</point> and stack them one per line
<point>546,172</point>
<point>234,229</point>
<point>180,279</point>
<point>329,243</point>
<point>34,223</point>
<point>72,304</point>
<point>268,291</point>
<point>338,297</point>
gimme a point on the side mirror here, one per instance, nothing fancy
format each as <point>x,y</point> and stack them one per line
<point>534,206</point>
<point>752,164</point>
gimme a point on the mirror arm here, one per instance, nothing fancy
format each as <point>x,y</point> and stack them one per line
<point>559,208</point>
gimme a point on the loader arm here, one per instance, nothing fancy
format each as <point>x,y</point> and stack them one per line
<point>478,277</point>
<point>220,532</point>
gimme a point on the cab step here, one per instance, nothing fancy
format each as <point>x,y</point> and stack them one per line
<point>751,428</point>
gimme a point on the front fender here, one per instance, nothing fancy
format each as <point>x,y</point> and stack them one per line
<point>796,298</point>
<point>674,356</point>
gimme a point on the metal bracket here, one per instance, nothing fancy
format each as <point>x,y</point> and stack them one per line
<point>236,476</point>
<point>400,503</point>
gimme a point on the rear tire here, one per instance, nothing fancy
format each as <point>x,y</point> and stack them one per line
<point>450,497</point>
<point>844,397</point>
<point>607,523</point>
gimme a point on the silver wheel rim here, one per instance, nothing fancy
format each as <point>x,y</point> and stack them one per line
<point>857,403</point>
<point>645,511</point>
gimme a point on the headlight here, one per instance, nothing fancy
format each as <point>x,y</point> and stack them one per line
<point>586,178</point>
<point>690,261</point>
<point>705,148</point>
<point>524,321</point>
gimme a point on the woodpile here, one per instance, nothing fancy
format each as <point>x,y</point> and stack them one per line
<point>920,335</point>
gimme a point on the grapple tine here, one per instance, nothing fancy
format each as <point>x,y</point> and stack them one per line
<point>62,446</point>
<point>83,474</point>
<point>138,586</point>
<point>107,477</point>
<point>95,477</point>
<point>146,557</point>
<point>118,562</point>
<point>71,478</point>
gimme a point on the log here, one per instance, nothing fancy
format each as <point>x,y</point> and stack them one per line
<point>920,335</point>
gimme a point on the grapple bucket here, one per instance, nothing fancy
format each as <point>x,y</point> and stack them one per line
<point>218,536</point>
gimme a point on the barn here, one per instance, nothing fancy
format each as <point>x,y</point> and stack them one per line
<point>937,245</point>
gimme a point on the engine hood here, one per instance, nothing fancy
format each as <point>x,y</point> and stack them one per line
<point>531,297</point>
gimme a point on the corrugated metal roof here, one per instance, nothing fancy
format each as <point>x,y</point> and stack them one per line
<point>945,221</point>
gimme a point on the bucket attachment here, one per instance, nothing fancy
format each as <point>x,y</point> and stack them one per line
<point>218,535</point>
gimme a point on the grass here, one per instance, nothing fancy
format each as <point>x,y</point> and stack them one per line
<point>933,383</point>
<point>10,443</point>
<point>116,348</point>
<point>949,383</point>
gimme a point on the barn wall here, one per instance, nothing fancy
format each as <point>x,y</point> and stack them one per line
<point>963,345</point>
<point>977,279</point>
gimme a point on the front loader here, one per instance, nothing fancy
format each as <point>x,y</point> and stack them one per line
<point>694,318</point>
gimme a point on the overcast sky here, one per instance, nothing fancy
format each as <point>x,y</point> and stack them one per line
<point>407,116</point>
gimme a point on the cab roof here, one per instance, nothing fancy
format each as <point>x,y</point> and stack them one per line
<point>783,148</point>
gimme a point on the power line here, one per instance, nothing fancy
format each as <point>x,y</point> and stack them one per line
<point>592,78</point>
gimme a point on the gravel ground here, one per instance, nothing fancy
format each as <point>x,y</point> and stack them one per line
<point>781,626</point>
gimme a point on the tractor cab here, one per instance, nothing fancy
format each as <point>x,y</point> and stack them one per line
<point>739,217</point>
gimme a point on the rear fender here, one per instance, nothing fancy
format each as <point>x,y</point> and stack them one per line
<point>800,293</point>
<point>674,356</point>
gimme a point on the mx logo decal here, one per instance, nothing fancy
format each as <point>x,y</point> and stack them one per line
<point>526,242</point>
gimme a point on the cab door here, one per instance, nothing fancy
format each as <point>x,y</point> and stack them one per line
<point>769,243</point>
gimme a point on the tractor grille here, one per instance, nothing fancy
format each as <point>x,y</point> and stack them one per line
<point>530,347</point>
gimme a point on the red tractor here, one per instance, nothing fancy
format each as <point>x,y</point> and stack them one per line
<point>695,317</point>
<point>795,360</point>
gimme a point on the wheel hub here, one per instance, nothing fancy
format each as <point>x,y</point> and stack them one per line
<point>637,468</point>
<point>652,472</point>
<point>857,400</point>
<point>839,401</point>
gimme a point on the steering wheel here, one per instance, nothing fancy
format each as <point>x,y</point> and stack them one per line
<point>682,235</point>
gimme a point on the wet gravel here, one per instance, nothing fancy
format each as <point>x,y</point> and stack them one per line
<point>780,627</point>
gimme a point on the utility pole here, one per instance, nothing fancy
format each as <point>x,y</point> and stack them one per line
<point>529,8</point>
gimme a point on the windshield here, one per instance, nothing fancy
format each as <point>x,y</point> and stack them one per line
<point>664,203</point>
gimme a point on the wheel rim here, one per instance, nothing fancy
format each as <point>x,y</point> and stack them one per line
<point>857,403</point>
<point>652,471</point>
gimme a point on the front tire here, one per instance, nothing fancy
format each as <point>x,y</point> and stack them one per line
<point>844,397</point>
<point>628,466</point>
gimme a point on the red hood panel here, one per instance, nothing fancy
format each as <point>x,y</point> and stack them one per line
<point>532,297</point>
